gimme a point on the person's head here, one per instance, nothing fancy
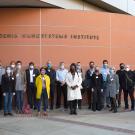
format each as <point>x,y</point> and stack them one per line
<point>62,65</point>
<point>73,68</point>
<point>12,64</point>
<point>91,64</point>
<point>105,63</point>
<point>122,66</point>
<point>18,65</point>
<point>78,65</point>
<point>97,70</point>
<point>0,63</point>
<point>49,64</point>
<point>8,70</point>
<point>42,71</point>
<point>112,70</point>
<point>127,67</point>
<point>31,65</point>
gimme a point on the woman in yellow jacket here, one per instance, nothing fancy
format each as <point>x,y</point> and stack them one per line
<point>43,90</point>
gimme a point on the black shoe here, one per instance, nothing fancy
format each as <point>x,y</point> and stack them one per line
<point>115,111</point>
<point>75,112</point>
<point>57,107</point>
<point>89,107</point>
<point>132,109</point>
<point>108,106</point>
<point>10,114</point>
<point>5,114</point>
<point>71,112</point>
<point>111,109</point>
<point>79,107</point>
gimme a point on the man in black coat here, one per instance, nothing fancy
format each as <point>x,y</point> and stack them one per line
<point>31,74</point>
<point>129,87</point>
<point>122,81</point>
<point>87,80</point>
<point>52,74</point>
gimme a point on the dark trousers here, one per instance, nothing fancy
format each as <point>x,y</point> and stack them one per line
<point>113,103</point>
<point>52,92</point>
<point>73,106</point>
<point>1,98</point>
<point>131,95</point>
<point>44,99</point>
<point>8,102</point>
<point>31,95</point>
<point>61,89</point>
<point>119,96</point>
<point>19,100</point>
<point>96,100</point>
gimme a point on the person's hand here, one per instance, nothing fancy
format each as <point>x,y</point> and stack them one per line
<point>13,93</point>
<point>92,90</point>
<point>102,90</point>
<point>4,94</point>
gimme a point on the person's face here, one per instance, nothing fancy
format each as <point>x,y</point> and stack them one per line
<point>8,70</point>
<point>31,66</point>
<point>0,63</point>
<point>72,69</point>
<point>62,66</point>
<point>49,64</point>
<point>42,72</point>
<point>19,66</point>
<point>12,65</point>
<point>78,65</point>
<point>105,64</point>
<point>91,65</point>
<point>122,66</point>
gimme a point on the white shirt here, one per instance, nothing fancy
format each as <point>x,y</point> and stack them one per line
<point>31,76</point>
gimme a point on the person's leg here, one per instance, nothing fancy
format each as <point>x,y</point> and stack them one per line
<point>89,95</point>
<point>131,94</point>
<point>64,91</point>
<point>35,91</point>
<point>10,102</point>
<point>114,104</point>
<point>18,101</point>
<point>71,107</point>
<point>119,97</point>
<point>52,91</point>
<point>21,101</point>
<point>6,104</point>
<point>45,100</point>
<point>58,102</point>
<point>98,100</point>
<point>126,99</point>
<point>1,98</point>
<point>30,95</point>
<point>74,107</point>
<point>94,100</point>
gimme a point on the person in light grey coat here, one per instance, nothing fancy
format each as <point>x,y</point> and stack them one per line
<point>112,88</point>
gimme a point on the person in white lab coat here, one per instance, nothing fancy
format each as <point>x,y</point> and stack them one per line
<point>73,81</point>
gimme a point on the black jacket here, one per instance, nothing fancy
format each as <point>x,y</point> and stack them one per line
<point>52,74</point>
<point>35,74</point>
<point>97,81</point>
<point>8,83</point>
<point>87,82</point>
<point>126,79</point>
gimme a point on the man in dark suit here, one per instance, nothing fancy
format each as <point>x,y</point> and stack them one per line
<point>52,74</point>
<point>31,74</point>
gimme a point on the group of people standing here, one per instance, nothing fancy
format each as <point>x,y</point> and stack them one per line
<point>103,86</point>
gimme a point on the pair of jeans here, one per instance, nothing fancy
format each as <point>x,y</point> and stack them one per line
<point>8,102</point>
<point>19,100</point>
<point>44,98</point>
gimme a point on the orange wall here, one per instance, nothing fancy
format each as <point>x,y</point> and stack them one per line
<point>116,35</point>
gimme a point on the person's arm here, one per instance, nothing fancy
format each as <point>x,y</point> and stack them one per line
<point>117,83</point>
